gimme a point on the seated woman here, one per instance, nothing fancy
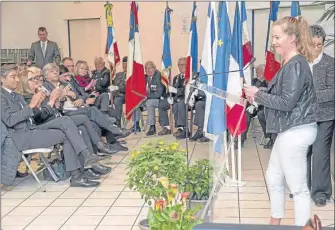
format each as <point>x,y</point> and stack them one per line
<point>49,111</point>
<point>92,84</point>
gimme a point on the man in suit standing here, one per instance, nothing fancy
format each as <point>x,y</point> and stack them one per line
<point>319,174</point>
<point>118,89</point>
<point>18,117</point>
<point>44,51</point>
<point>155,89</point>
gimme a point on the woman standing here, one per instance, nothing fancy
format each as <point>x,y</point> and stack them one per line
<point>290,105</point>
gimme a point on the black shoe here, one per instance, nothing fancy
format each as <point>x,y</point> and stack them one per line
<point>197,136</point>
<point>101,169</point>
<point>88,157</point>
<point>118,146</point>
<point>91,175</point>
<point>165,131</point>
<point>320,202</point>
<point>177,133</point>
<point>152,130</point>
<point>83,182</point>
<point>103,148</point>
<point>182,135</point>
<point>204,139</point>
<point>269,145</point>
<point>20,175</point>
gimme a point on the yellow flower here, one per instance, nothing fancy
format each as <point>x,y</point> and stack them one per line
<point>164,181</point>
<point>174,146</point>
<point>160,142</point>
<point>170,197</point>
<point>174,189</point>
<point>162,149</point>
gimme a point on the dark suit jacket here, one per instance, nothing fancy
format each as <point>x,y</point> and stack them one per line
<point>51,54</point>
<point>120,81</point>
<point>179,84</point>
<point>103,80</point>
<point>15,117</point>
<point>323,78</point>
<point>156,87</point>
<point>80,92</point>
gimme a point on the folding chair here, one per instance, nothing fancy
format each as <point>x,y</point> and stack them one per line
<point>40,151</point>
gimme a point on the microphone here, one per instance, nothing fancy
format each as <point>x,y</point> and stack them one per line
<point>197,78</point>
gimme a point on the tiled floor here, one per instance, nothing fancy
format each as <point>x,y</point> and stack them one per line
<point>112,206</point>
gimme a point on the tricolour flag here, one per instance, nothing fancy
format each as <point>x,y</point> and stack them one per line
<point>166,57</point>
<point>135,82</point>
<point>246,44</point>
<point>235,79</point>
<point>271,64</point>
<point>217,115</point>
<point>192,54</point>
<point>295,9</point>
<point>208,59</point>
<point>111,46</point>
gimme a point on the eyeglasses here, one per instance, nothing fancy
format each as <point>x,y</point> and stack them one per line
<point>182,65</point>
<point>318,45</point>
<point>37,78</point>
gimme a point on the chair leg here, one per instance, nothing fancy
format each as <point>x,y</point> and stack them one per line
<point>34,174</point>
<point>29,161</point>
<point>262,140</point>
<point>47,165</point>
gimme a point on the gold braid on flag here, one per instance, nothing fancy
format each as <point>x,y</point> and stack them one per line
<point>109,16</point>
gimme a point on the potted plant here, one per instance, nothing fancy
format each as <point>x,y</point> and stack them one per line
<point>199,183</point>
<point>170,211</point>
<point>154,161</point>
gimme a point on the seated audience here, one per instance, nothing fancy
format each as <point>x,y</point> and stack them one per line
<point>322,67</point>
<point>177,98</point>
<point>17,115</point>
<point>155,90</point>
<point>118,90</point>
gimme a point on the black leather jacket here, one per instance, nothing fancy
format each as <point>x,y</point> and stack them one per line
<point>103,80</point>
<point>290,98</point>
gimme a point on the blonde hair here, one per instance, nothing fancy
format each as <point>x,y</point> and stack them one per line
<point>34,70</point>
<point>78,66</point>
<point>21,67</point>
<point>23,85</point>
<point>300,29</point>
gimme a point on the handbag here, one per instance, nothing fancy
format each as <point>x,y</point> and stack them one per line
<point>58,167</point>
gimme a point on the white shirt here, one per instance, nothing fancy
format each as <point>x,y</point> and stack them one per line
<point>45,46</point>
<point>8,90</point>
<point>316,61</point>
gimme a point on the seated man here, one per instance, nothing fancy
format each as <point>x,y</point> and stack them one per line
<point>53,80</point>
<point>118,90</point>
<point>198,102</point>
<point>155,90</point>
<point>17,116</point>
<point>101,76</point>
<point>177,97</point>
<point>253,109</point>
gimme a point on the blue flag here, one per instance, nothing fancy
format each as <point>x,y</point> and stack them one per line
<point>217,115</point>
<point>295,9</point>
<point>166,57</point>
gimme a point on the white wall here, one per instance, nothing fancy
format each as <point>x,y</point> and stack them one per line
<point>20,20</point>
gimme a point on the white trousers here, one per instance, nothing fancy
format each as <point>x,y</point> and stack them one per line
<point>289,161</point>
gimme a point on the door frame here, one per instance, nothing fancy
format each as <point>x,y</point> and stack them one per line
<point>69,30</point>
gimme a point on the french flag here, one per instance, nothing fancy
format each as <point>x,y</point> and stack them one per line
<point>271,64</point>
<point>208,60</point>
<point>111,46</point>
<point>246,44</point>
<point>135,82</point>
<point>192,55</point>
<point>236,125</point>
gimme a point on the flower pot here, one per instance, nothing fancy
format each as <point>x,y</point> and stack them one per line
<point>208,218</point>
<point>144,225</point>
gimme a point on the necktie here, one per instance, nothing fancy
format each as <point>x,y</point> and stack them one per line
<point>43,48</point>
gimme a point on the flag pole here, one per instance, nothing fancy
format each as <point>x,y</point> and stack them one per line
<point>134,113</point>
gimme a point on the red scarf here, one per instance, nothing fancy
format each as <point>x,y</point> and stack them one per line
<point>83,81</point>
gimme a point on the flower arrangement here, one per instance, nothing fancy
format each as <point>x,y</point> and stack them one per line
<point>153,161</point>
<point>170,211</point>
